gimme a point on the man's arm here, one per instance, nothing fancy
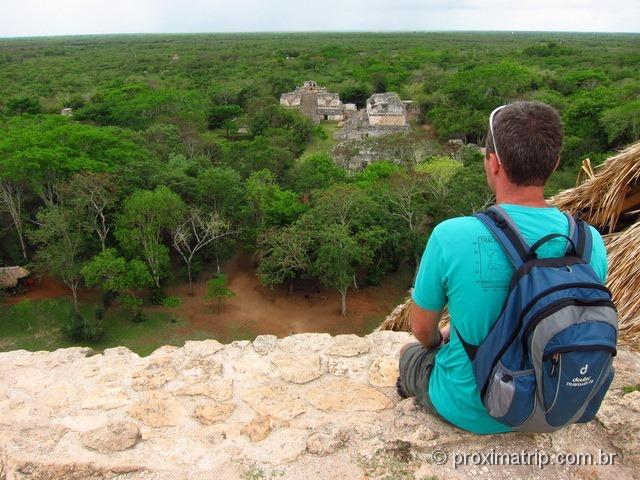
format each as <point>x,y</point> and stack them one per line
<point>424,326</point>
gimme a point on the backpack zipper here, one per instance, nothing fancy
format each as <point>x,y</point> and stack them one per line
<point>526,309</point>
<point>553,308</point>
<point>579,348</point>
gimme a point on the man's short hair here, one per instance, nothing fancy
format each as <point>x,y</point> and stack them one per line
<point>529,139</point>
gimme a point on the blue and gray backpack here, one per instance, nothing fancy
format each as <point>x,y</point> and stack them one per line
<point>547,360</point>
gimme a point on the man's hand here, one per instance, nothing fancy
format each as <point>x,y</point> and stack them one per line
<point>424,325</point>
<point>446,333</point>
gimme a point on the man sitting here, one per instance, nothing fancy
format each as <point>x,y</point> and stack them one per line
<point>464,268</point>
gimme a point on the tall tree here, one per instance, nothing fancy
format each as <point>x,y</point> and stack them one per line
<point>63,237</point>
<point>283,254</point>
<point>146,215</point>
<point>196,232</point>
<point>112,273</point>
<point>96,193</point>
<point>337,259</point>
<point>11,200</point>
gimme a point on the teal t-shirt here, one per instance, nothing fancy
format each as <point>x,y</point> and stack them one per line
<point>464,268</point>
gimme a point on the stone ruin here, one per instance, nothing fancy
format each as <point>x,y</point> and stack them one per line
<point>67,112</point>
<point>317,103</point>
<point>385,113</point>
<point>303,406</point>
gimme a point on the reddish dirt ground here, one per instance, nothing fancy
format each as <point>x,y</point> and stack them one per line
<point>259,310</point>
<point>256,309</point>
<point>40,289</point>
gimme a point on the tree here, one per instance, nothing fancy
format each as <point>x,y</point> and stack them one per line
<point>622,123</point>
<point>316,171</point>
<point>406,198</point>
<point>221,189</point>
<point>145,216</point>
<point>357,93</point>
<point>20,105</point>
<point>219,114</point>
<point>217,289</point>
<point>283,254</point>
<point>63,239</point>
<point>337,259</point>
<point>437,175</point>
<point>96,193</point>
<point>112,273</point>
<point>196,232</point>
<point>44,151</point>
<point>11,200</point>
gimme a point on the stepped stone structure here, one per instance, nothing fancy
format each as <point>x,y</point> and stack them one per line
<point>317,103</point>
<point>307,406</point>
<point>385,113</point>
<point>386,109</point>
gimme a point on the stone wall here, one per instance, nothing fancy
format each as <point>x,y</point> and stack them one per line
<point>387,120</point>
<point>308,406</point>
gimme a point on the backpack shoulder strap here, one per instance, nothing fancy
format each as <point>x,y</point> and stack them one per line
<point>573,232</point>
<point>585,241</point>
<point>506,233</point>
<point>580,235</point>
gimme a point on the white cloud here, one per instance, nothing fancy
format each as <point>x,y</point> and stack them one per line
<point>66,17</point>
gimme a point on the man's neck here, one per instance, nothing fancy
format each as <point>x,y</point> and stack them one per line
<point>531,196</point>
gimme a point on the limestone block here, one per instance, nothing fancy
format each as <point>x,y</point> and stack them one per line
<point>275,400</point>
<point>383,372</point>
<point>348,345</point>
<point>298,368</point>
<point>343,395</point>
<point>263,344</point>
<point>157,409</point>
<point>258,429</point>
<point>112,437</point>
<point>203,348</point>
<point>104,398</point>
<point>218,390</point>
<point>210,413</point>
<point>153,376</point>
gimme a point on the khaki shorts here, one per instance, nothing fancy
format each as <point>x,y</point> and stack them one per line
<point>415,369</point>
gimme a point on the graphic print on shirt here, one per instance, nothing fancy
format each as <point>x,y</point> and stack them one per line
<point>494,270</point>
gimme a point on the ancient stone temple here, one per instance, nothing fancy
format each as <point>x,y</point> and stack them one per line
<point>385,113</point>
<point>317,102</point>
<point>386,109</point>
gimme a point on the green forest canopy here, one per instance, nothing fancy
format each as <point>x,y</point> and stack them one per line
<point>168,129</point>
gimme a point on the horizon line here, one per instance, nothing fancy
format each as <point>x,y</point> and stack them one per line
<point>279,32</point>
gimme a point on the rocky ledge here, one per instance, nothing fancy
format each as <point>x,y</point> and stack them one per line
<point>308,406</point>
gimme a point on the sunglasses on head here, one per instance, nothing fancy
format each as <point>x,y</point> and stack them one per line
<point>493,137</point>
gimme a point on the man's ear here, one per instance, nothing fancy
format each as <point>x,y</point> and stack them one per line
<point>494,165</point>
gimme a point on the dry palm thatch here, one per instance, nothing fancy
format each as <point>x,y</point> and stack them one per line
<point>398,320</point>
<point>9,276</point>
<point>624,281</point>
<point>607,194</point>
<point>613,190</point>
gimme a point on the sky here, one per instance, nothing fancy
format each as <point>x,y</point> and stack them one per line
<point>21,18</point>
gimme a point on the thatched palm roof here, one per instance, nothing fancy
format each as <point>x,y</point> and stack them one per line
<point>614,190</point>
<point>9,276</point>
<point>624,281</point>
<point>603,200</point>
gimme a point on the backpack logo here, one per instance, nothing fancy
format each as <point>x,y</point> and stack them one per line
<point>583,370</point>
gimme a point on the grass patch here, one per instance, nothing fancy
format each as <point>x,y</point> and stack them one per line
<point>387,465</point>
<point>630,388</point>
<point>38,325</point>
<point>171,302</point>
<point>320,145</point>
